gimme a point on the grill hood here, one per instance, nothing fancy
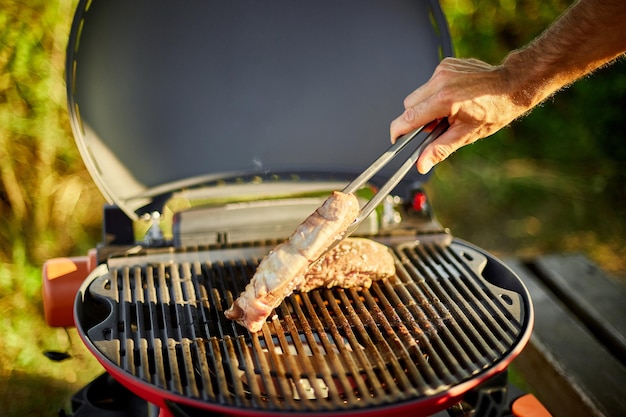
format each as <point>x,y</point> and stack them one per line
<point>166,95</point>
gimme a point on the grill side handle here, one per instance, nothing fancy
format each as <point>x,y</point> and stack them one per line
<point>495,276</point>
<point>99,322</point>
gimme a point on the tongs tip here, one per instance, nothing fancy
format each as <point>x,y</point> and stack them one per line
<point>385,158</point>
<point>393,181</point>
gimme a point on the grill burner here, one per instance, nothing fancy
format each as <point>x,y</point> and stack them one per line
<point>438,323</point>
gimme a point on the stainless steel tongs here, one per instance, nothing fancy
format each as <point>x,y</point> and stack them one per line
<point>382,161</point>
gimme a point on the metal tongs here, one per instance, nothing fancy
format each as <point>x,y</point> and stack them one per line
<point>382,161</point>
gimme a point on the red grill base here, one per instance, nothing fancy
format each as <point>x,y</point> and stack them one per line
<point>105,397</point>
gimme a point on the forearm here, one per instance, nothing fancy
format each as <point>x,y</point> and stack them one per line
<point>478,99</point>
<point>588,35</point>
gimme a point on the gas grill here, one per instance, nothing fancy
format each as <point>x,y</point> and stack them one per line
<point>214,129</point>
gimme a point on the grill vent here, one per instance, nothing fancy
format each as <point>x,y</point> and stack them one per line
<point>436,324</point>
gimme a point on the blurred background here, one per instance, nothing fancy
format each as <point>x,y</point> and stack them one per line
<point>554,181</point>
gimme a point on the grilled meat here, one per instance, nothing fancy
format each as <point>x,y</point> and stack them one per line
<point>283,269</point>
<point>354,263</point>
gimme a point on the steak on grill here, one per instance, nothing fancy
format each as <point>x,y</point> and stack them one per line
<point>283,269</point>
<point>354,263</point>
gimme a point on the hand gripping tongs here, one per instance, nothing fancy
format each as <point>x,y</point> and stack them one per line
<point>387,156</point>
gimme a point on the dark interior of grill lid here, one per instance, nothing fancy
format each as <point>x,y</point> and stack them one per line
<point>164,95</point>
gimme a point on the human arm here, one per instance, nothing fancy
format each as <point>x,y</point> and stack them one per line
<point>479,99</point>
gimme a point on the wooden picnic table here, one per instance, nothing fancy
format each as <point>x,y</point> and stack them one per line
<point>575,362</point>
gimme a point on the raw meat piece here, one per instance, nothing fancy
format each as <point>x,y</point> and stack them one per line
<point>283,269</point>
<point>354,263</point>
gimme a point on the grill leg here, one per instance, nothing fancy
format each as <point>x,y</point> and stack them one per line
<point>104,397</point>
<point>490,399</point>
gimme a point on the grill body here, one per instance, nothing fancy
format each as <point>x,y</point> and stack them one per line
<point>217,104</point>
<point>451,318</point>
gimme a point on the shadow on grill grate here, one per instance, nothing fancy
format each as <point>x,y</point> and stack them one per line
<point>436,324</point>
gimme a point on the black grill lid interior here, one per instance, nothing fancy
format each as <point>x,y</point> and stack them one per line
<point>162,92</point>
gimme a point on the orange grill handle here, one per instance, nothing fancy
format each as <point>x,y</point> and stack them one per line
<point>529,406</point>
<point>62,278</point>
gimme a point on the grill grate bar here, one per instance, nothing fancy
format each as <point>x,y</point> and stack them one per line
<point>279,369</point>
<point>244,378</point>
<point>422,286</point>
<point>232,387</point>
<point>436,324</point>
<point>382,362</point>
<point>468,322</point>
<point>411,332</point>
<point>233,381</point>
<point>396,359</point>
<point>419,299</point>
<point>345,342</point>
<point>155,323</point>
<point>184,302</point>
<point>322,353</point>
<point>503,319</point>
<point>475,307</point>
<point>124,326</point>
<point>303,376</point>
<point>201,318</point>
<point>335,354</point>
<point>215,385</point>
<point>498,330</point>
<point>270,390</point>
<point>360,345</point>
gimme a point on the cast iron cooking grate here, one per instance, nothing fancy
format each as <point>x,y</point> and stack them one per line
<point>436,324</point>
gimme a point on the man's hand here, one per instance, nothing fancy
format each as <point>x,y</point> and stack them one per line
<point>479,99</point>
<point>476,98</point>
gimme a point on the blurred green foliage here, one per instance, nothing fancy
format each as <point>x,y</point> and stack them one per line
<point>46,205</point>
<point>553,181</point>
<point>44,190</point>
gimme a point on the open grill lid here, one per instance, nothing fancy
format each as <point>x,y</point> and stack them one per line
<point>165,94</point>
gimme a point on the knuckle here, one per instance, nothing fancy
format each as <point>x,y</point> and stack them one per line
<point>447,62</point>
<point>407,103</point>
<point>409,114</point>
<point>441,152</point>
<point>445,95</point>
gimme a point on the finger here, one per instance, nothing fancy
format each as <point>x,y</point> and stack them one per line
<point>418,111</point>
<point>420,94</point>
<point>413,117</point>
<point>438,79</point>
<point>441,148</point>
<point>402,124</point>
<point>431,126</point>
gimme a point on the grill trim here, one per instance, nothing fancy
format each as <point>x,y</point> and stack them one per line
<point>388,315</point>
